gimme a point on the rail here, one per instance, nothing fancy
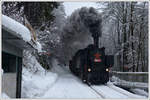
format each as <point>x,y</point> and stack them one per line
<point>100,94</point>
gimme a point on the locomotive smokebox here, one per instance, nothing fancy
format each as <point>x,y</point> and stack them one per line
<point>92,20</point>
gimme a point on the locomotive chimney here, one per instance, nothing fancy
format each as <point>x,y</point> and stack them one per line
<point>96,39</point>
<point>95,29</point>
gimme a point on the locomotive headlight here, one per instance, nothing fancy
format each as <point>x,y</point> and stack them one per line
<point>107,69</point>
<point>89,70</point>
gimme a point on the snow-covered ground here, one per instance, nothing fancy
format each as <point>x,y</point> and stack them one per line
<point>136,85</point>
<point>5,96</point>
<point>35,80</point>
<point>34,85</point>
<point>68,86</point>
<point>139,92</point>
<point>60,83</point>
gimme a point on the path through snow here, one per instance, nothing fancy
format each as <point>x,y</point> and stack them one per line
<point>61,83</point>
<point>68,86</point>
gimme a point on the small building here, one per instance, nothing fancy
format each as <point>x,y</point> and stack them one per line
<point>15,38</point>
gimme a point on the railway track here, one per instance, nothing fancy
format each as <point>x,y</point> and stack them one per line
<point>100,94</point>
<point>130,95</point>
<point>111,91</point>
<point>104,92</point>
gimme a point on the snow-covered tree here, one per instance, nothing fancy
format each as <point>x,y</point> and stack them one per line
<point>126,31</point>
<point>42,18</point>
<point>51,36</point>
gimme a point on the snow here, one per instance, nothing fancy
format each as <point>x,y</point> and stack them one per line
<point>140,92</point>
<point>16,27</point>
<point>60,80</point>
<point>38,47</point>
<point>61,83</point>
<point>2,71</point>
<point>108,92</point>
<point>68,86</point>
<point>5,96</point>
<point>130,95</point>
<point>35,80</point>
<point>117,72</point>
<point>118,81</point>
<point>32,65</point>
<point>34,85</point>
<point>19,30</point>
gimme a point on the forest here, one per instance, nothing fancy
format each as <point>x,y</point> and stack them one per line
<point>124,31</point>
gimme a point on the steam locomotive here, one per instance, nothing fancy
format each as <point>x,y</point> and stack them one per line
<point>92,65</point>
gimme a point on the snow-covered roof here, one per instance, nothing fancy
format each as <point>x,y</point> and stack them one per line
<point>16,28</point>
<point>19,30</point>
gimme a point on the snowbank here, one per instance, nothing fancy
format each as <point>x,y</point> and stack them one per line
<point>16,27</point>
<point>35,80</point>
<point>136,87</point>
<point>60,83</point>
<point>39,47</point>
<point>136,73</point>
<point>68,86</point>
<point>127,93</point>
<point>34,85</point>
<point>5,96</point>
<point>32,65</point>
<point>2,71</point>
<point>140,92</point>
<point>129,84</point>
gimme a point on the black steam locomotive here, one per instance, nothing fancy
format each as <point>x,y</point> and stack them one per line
<point>92,65</point>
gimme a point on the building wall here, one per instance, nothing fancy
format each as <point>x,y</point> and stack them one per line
<point>9,84</point>
<point>13,45</point>
<point>11,49</point>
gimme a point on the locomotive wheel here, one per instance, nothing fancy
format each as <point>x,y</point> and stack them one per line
<point>82,77</point>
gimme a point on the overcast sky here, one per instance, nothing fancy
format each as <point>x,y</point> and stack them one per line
<point>71,6</point>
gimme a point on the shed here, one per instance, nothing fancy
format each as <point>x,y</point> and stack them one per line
<point>15,38</point>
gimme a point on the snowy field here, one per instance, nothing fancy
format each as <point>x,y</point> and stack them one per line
<point>60,83</point>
